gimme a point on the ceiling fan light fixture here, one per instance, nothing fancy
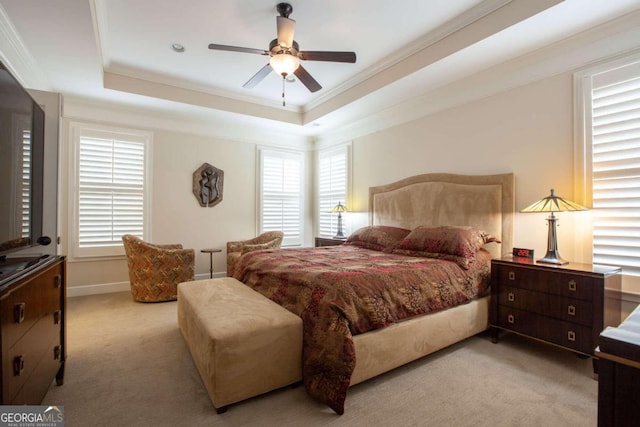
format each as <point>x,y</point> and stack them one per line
<point>284,63</point>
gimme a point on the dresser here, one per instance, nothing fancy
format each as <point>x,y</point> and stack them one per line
<point>564,305</point>
<point>32,333</point>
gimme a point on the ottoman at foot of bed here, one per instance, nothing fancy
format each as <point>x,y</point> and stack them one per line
<point>242,343</point>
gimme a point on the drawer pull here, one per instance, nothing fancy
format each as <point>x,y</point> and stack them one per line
<point>57,315</point>
<point>57,351</point>
<point>18,312</point>
<point>511,297</point>
<point>572,285</point>
<point>57,281</point>
<point>571,310</point>
<point>571,336</point>
<point>511,319</point>
<point>18,365</point>
<point>512,275</point>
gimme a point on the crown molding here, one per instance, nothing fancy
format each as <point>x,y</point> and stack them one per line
<point>142,118</point>
<point>608,40</point>
<point>16,56</point>
<point>463,20</point>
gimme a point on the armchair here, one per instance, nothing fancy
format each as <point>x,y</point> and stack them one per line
<point>156,270</point>
<point>267,240</point>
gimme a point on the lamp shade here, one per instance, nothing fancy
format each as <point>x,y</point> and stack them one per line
<point>284,63</point>
<point>553,203</point>
<point>339,208</point>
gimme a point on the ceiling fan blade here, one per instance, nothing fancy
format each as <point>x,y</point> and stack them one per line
<point>286,28</point>
<point>237,49</point>
<point>328,56</point>
<point>257,77</point>
<point>306,79</point>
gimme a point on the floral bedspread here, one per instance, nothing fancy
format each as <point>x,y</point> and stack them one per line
<point>342,291</point>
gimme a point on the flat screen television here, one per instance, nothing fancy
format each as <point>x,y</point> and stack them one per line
<point>21,167</point>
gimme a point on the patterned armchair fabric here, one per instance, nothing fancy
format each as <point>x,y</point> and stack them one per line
<point>267,240</point>
<point>156,270</point>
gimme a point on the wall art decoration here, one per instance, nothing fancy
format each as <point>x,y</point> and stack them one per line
<point>208,183</point>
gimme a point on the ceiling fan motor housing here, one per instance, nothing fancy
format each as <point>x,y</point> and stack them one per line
<point>275,48</point>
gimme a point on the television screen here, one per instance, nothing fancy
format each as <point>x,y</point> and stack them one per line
<point>21,165</point>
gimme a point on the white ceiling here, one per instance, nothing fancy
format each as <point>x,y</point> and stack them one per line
<point>119,51</point>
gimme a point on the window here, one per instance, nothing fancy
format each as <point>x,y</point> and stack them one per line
<point>26,182</point>
<point>281,200</point>
<point>333,174</point>
<point>110,188</point>
<point>610,150</point>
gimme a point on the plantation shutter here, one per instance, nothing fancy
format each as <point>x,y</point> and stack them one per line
<point>26,184</point>
<point>332,188</point>
<point>110,188</point>
<point>282,195</point>
<point>616,167</point>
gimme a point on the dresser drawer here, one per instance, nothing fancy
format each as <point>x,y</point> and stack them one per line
<point>22,307</point>
<point>570,335</point>
<point>564,284</point>
<point>22,360</point>
<point>568,309</point>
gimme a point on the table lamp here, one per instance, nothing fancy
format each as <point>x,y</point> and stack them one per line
<point>339,208</point>
<point>553,203</point>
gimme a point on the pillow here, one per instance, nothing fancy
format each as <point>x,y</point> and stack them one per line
<point>377,237</point>
<point>458,244</point>
<point>273,244</point>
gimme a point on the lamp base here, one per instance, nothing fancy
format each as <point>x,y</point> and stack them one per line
<point>552,256</point>
<point>552,260</point>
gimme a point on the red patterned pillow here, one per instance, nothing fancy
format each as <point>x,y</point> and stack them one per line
<point>458,244</point>
<point>377,237</point>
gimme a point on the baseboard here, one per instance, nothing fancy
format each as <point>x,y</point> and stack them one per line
<point>103,288</point>
<point>108,288</point>
<point>630,297</point>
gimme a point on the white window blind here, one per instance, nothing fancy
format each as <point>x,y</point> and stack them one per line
<point>615,120</point>
<point>281,194</point>
<point>332,188</point>
<point>111,193</point>
<point>26,183</point>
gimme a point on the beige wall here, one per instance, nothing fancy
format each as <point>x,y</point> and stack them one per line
<point>176,214</point>
<point>526,130</point>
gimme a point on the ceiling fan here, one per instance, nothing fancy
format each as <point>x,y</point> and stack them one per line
<point>285,54</point>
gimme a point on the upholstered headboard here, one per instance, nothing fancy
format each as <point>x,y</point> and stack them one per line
<point>486,202</point>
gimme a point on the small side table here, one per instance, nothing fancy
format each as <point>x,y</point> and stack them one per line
<point>211,251</point>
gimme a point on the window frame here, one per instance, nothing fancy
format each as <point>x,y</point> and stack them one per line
<point>583,152</point>
<point>299,156</point>
<point>77,130</point>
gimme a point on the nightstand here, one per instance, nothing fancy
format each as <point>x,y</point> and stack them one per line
<point>564,305</point>
<point>328,241</point>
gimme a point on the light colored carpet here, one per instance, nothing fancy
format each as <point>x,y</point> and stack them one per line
<point>128,365</point>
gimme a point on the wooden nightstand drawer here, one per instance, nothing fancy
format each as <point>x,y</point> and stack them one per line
<point>568,309</point>
<point>565,284</point>
<point>570,335</point>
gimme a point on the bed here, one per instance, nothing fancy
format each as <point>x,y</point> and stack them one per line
<point>351,336</point>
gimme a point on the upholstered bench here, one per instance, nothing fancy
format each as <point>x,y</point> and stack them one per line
<point>242,343</point>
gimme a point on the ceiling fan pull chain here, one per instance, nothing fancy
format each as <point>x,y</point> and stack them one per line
<point>283,77</point>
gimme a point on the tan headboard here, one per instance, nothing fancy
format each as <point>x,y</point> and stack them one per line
<point>486,202</point>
